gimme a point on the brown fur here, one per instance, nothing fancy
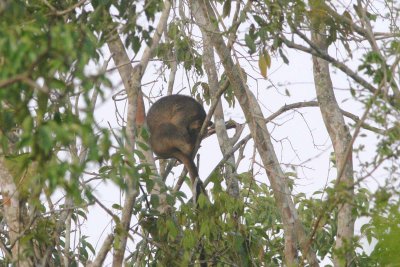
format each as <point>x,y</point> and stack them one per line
<point>174,122</point>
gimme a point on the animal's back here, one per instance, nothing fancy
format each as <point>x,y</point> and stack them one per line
<point>179,110</point>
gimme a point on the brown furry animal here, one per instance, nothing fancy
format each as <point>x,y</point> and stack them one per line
<point>174,122</point>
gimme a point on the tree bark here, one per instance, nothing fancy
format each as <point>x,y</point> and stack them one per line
<point>12,214</point>
<point>341,140</point>
<point>293,229</point>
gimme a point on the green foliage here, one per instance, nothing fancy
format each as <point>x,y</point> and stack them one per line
<point>151,7</point>
<point>374,66</point>
<point>264,63</point>
<point>312,211</point>
<point>203,94</point>
<point>136,27</point>
<point>383,227</point>
<point>231,231</point>
<point>228,93</point>
<point>180,48</point>
<point>226,8</point>
<point>38,53</point>
<point>46,111</point>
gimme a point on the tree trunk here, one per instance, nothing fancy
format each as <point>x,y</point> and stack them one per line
<point>341,140</point>
<point>293,229</point>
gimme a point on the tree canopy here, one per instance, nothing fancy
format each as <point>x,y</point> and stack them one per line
<point>77,76</point>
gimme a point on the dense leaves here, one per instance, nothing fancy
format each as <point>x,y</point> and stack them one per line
<point>46,108</point>
<point>43,65</point>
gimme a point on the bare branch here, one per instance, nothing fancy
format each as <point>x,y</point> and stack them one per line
<point>101,255</point>
<point>219,121</point>
<point>351,116</point>
<point>65,11</point>
<point>17,78</point>
<point>324,55</point>
<point>227,156</point>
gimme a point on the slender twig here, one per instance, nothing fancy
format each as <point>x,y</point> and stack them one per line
<point>65,11</point>
<point>317,52</point>
<point>227,156</point>
<point>12,80</point>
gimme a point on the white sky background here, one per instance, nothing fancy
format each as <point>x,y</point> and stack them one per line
<point>299,136</point>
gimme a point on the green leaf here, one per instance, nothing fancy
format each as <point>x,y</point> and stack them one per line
<point>172,229</point>
<point>259,20</point>
<point>136,44</point>
<point>82,214</point>
<point>188,240</point>
<point>226,9</point>
<point>116,206</point>
<point>205,229</point>
<point>250,42</point>
<point>202,201</point>
<point>44,139</point>
<point>284,58</point>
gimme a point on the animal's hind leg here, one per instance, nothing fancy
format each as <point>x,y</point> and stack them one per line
<point>197,184</point>
<point>188,163</point>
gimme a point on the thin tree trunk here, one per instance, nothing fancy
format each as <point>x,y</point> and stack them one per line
<point>131,78</point>
<point>293,229</point>
<point>121,59</point>
<point>219,120</point>
<point>13,217</point>
<point>341,139</point>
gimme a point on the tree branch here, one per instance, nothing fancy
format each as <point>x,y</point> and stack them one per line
<point>351,116</point>
<point>324,55</point>
<point>101,255</point>
<point>219,121</point>
<point>12,212</point>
